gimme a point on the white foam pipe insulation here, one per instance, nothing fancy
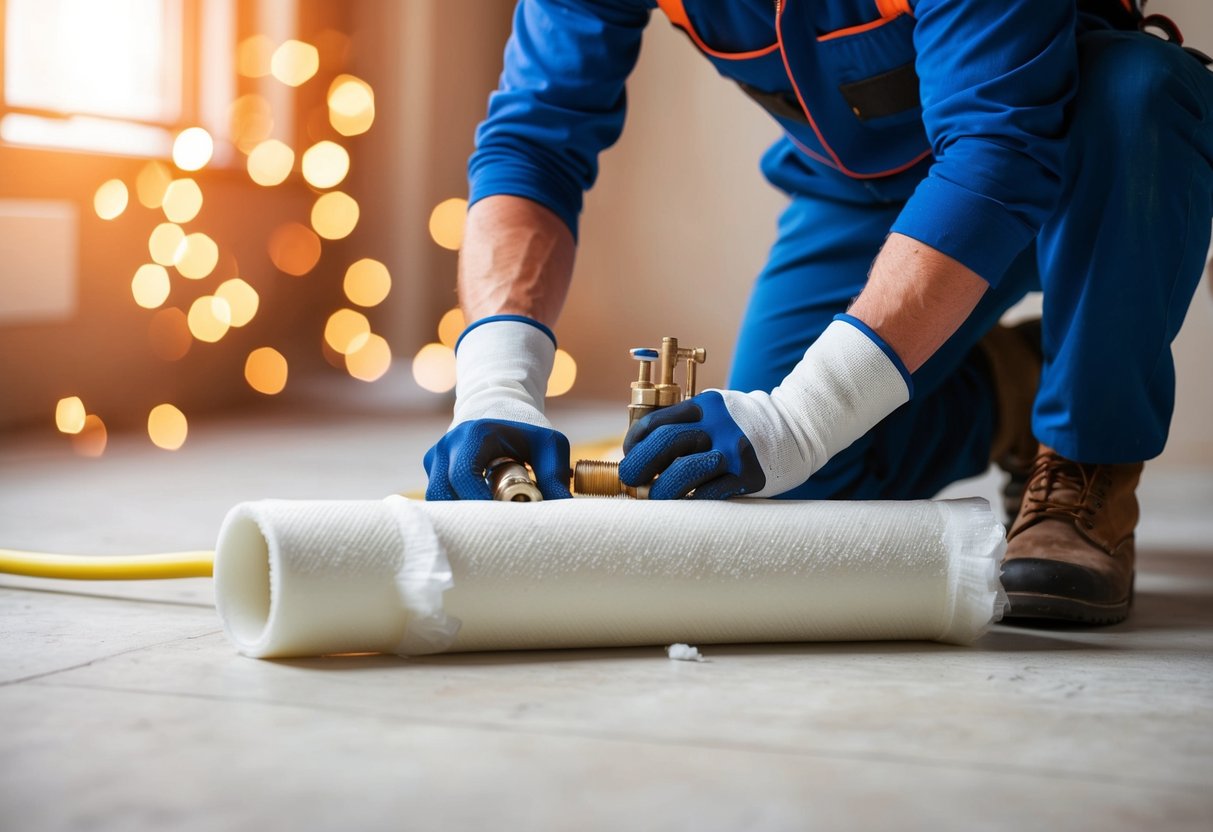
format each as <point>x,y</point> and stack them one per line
<point>303,578</point>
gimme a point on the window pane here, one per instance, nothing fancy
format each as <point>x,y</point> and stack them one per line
<point>118,58</point>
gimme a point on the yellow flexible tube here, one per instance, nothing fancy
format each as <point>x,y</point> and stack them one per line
<point>151,567</point>
<point>107,567</point>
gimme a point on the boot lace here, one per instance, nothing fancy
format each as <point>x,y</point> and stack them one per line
<point>1058,487</point>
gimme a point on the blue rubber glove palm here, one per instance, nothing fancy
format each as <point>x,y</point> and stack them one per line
<point>502,365</point>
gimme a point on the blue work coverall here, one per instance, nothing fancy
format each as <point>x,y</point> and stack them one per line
<point>1035,145</point>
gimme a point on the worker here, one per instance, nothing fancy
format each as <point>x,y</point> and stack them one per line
<point>942,158</point>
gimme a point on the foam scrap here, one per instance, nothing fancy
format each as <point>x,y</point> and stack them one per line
<point>684,653</point>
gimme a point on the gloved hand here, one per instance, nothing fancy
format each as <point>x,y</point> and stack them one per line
<point>723,443</point>
<point>502,364</point>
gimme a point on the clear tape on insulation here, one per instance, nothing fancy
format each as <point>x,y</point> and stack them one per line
<point>306,578</point>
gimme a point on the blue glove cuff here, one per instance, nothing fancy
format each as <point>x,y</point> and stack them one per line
<point>491,319</point>
<point>884,347</point>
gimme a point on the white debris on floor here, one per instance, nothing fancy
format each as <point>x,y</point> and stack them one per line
<point>684,653</point>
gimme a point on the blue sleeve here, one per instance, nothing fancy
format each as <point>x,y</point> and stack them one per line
<point>561,101</point>
<point>995,80</point>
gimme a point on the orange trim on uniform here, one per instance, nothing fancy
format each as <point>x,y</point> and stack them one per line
<point>855,30</point>
<point>813,122</point>
<point>892,8</point>
<point>677,13</point>
<point>1128,5</point>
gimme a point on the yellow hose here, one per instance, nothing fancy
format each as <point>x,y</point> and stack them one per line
<point>107,567</point>
<point>153,567</point>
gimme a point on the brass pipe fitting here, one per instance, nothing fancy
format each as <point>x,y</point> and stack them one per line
<point>510,482</point>
<point>601,479</point>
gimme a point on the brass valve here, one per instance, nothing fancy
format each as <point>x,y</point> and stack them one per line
<point>602,478</point>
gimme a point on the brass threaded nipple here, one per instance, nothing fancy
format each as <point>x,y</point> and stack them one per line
<point>601,479</point>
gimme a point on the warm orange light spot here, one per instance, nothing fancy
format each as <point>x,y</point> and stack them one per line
<point>434,368</point>
<point>168,334</point>
<point>334,215</point>
<point>351,105</point>
<point>163,242</point>
<point>564,373</point>
<point>209,318</point>
<point>346,331</point>
<point>150,285</point>
<point>367,282</point>
<point>294,62</point>
<point>193,148</point>
<point>371,360</point>
<point>294,248</point>
<point>151,183</point>
<point>446,222</point>
<point>451,326</point>
<point>325,164</point>
<point>265,370</point>
<point>69,415</point>
<point>182,200</point>
<point>111,199</point>
<point>270,163</point>
<point>251,121</point>
<point>167,427</point>
<point>253,56</point>
<point>196,256</point>
<point>242,300</point>
<point>92,438</point>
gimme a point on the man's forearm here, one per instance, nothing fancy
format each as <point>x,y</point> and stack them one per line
<point>516,259</point>
<point>916,298</point>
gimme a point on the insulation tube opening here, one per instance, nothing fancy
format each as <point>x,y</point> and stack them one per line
<point>242,580</point>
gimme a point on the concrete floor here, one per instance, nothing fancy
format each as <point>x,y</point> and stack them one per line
<point>123,707</point>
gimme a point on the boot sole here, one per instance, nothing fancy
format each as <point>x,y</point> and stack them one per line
<point>1029,607</point>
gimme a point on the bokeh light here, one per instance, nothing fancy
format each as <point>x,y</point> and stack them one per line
<point>334,215</point>
<point>150,285</point>
<point>251,120</point>
<point>196,256</point>
<point>351,105</point>
<point>167,427</point>
<point>253,56</point>
<point>346,331</point>
<point>367,282</point>
<point>265,370</point>
<point>294,248</point>
<point>446,222</point>
<point>92,438</point>
<point>451,327</point>
<point>371,360</point>
<point>193,148</point>
<point>209,318</point>
<point>325,164</point>
<point>111,199</point>
<point>163,242</point>
<point>294,62</point>
<point>242,300</point>
<point>151,183</point>
<point>564,373</point>
<point>182,200</point>
<point>69,415</point>
<point>434,368</point>
<point>270,163</point>
<point>168,334</point>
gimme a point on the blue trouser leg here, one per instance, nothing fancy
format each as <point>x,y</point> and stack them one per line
<point>1121,259</point>
<point>818,265</point>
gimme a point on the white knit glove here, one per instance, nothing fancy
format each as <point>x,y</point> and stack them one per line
<point>502,364</point>
<point>723,443</point>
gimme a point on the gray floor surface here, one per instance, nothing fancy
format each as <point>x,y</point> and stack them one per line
<point>123,707</point>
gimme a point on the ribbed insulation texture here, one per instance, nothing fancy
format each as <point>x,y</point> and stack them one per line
<point>398,576</point>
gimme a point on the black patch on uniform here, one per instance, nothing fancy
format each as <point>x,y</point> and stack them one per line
<point>882,95</point>
<point>779,104</point>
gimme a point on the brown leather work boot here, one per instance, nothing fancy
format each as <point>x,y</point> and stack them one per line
<point>1014,356</point>
<point>1070,552</point>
